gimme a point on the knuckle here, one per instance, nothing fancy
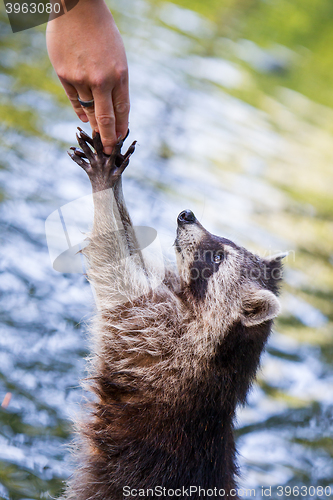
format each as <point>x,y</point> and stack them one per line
<point>89,111</point>
<point>79,79</point>
<point>121,74</point>
<point>105,120</point>
<point>98,81</point>
<point>62,74</point>
<point>73,99</point>
<point>90,115</point>
<point>118,75</point>
<point>122,108</point>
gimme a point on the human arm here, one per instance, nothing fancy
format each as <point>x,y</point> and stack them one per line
<point>88,55</point>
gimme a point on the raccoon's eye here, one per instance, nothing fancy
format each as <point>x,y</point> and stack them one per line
<point>218,257</point>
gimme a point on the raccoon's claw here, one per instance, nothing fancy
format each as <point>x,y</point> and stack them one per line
<point>75,157</point>
<point>103,170</point>
<point>78,152</point>
<point>97,143</point>
<point>124,159</point>
<point>130,151</point>
<point>85,136</point>
<point>121,142</point>
<point>87,150</point>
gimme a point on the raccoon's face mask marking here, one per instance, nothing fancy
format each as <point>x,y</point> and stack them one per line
<point>218,273</point>
<point>200,255</point>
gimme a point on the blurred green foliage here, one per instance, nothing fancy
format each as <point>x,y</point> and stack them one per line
<point>303,26</point>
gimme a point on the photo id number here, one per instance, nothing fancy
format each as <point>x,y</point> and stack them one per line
<point>32,8</point>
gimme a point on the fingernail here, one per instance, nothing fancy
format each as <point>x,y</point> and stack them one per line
<point>83,118</point>
<point>108,150</point>
<point>119,137</point>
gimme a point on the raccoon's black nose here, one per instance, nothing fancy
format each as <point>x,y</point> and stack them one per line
<point>186,217</point>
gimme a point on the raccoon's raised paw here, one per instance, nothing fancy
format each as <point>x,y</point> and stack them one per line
<point>103,170</point>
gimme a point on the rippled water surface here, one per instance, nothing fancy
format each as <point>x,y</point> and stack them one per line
<point>254,163</point>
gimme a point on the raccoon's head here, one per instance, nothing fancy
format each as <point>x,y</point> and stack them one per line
<point>222,278</point>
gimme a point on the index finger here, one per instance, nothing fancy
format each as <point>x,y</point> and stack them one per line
<point>105,118</point>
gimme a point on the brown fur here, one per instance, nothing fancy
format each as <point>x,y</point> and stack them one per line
<point>170,363</point>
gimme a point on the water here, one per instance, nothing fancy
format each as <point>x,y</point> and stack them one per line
<point>258,174</point>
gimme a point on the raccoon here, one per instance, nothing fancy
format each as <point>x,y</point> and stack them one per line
<point>169,363</point>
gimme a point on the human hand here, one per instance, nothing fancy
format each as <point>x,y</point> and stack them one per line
<point>88,55</point>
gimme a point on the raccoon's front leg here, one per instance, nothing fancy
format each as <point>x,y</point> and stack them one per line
<point>113,238</point>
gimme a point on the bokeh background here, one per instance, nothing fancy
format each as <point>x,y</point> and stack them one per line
<point>232,109</point>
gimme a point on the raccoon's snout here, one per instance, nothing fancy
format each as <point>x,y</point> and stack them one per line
<point>186,217</point>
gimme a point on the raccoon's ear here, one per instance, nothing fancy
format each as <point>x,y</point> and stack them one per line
<point>259,306</point>
<point>273,271</point>
<point>277,257</point>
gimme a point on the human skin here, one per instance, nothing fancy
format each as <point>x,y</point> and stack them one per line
<point>88,55</point>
